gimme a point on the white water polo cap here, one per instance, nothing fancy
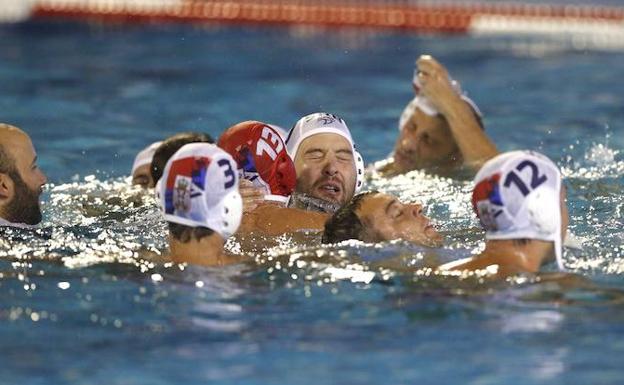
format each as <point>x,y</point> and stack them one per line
<point>423,103</point>
<point>145,156</point>
<point>324,123</point>
<point>199,187</point>
<point>517,195</point>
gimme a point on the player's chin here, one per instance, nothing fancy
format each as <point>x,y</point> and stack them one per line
<point>434,238</point>
<point>428,237</point>
<point>404,163</point>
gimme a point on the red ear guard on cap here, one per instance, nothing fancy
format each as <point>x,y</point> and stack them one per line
<point>261,156</point>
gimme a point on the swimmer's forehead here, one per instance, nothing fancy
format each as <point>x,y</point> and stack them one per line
<point>377,203</point>
<point>143,170</point>
<point>324,142</point>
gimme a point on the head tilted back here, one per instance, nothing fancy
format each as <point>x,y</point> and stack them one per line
<point>324,123</point>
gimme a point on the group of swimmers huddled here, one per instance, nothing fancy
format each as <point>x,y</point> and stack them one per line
<point>259,179</point>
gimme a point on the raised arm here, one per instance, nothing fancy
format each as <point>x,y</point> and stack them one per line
<point>475,146</point>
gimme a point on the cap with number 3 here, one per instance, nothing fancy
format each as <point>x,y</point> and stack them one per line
<point>199,187</point>
<point>517,195</point>
<point>261,157</point>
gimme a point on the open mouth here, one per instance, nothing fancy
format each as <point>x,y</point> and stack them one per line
<point>331,190</point>
<point>400,154</point>
<point>403,157</point>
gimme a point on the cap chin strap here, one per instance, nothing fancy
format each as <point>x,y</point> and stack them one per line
<point>544,209</point>
<point>276,198</point>
<point>359,171</point>
<point>307,202</point>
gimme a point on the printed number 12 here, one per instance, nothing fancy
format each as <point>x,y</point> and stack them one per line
<point>536,179</point>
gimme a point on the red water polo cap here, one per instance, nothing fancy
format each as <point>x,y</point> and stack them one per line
<point>261,156</point>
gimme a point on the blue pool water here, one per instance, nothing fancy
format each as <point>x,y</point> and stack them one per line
<point>82,304</point>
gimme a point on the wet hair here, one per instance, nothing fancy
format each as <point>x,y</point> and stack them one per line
<point>170,146</point>
<point>345,224</point>
<point>521,241</point>
<point>185,234</point>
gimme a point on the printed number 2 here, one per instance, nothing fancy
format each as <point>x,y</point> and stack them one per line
<point>230,177</point>
<point>536,179</point>
<point>263,146</point>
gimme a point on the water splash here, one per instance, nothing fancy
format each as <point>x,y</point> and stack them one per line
<point>599,161</point>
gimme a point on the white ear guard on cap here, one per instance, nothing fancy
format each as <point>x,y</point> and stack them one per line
<point>199,187</point>
<point>324,123</point>
<point>359,171</point>
<point>517,195</point>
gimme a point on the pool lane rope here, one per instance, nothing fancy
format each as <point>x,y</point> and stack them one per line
<point>595,26</point>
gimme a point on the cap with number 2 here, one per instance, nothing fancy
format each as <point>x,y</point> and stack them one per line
<point>517,195</point>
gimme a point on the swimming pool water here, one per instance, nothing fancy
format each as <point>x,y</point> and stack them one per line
<point>81,305</point>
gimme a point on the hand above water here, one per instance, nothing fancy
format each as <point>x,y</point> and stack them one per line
<point>436,85</point>
<point>252,195</point>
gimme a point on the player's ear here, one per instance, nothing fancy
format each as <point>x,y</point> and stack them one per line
<point>7,187</point>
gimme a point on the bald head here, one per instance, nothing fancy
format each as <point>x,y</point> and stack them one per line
<point>7,132</point>
<point>21,180</point>
<point>9,136</point>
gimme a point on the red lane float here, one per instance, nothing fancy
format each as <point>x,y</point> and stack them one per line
<point>423,16</point>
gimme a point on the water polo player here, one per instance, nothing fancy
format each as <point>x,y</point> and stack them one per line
<point>440,130</point>
<point>262,161</point>
<point>261,158</point>
<point>520,201</point>
<point>329,169</point>
<point>140,173</point>
<point>21,179</point>
<point>376,217</point>
<point>198,195</point>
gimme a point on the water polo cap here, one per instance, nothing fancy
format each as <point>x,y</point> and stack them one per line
<point>145,156</point>
<point>324,123</point>
<point>517,195</point>
<point>199,187</point>
<point>261,158</point>
<point>422,103</point>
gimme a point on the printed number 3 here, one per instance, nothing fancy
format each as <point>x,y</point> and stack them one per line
<point>230,177</point>
<point>265,147</point>
<point>536,179</point>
